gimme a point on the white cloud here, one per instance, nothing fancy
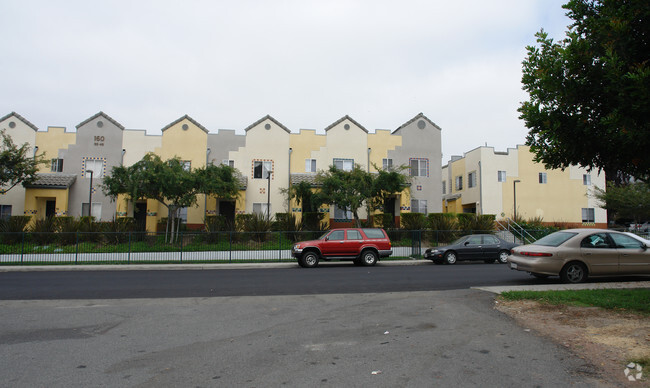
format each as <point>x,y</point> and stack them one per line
<point>307,63</point>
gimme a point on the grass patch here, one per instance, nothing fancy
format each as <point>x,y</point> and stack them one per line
<point>624,300</point>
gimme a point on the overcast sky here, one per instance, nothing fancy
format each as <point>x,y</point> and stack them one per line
<point>306,63</point>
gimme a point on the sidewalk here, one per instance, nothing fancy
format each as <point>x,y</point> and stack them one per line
<point>561,286</point>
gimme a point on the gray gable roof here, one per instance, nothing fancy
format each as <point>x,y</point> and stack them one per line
<point>301,177</point>
<point>346,117</point>
<point>21,118</point>
<point>418,117</point>
<point>52,181</point>
<point>191,120</point>
<point>104,115</point>
<point>267,117</point>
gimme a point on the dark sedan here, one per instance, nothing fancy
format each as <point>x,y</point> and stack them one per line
<point>486,247</point>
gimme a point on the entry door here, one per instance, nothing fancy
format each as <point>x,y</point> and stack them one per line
<point>50,208</point>
<point>599,252</point>
<point>227,209</point>
<point>140,216</point>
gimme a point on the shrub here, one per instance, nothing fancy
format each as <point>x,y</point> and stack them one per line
<point>12,229</point>
<point>384,220</point>
<point>413,221</point>
<point>443,227</point>
<point>43,231</point>
<point>312,221</point>
<point>117,231</point>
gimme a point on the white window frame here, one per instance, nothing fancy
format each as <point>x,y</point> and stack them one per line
<point>588,215</point>
<point>343,164</point>
<point>261,208</point>
<point>543,179</point>
<point>419,167</point>
<point>459,183</point>
<point>586,179</point>
<point>342,214</point>
<point>187,165</point>
<point>228,162</point>
<point>310,165</point>
<point>471,179</point>
<point>386,163</point>
<point>267,168</point>
<point>501,176</point>
<point>94,165</point>
<point>419,206</point>
<point>57,165</point>
<point>96,211</point>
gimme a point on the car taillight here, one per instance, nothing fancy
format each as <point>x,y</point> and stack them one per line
<point>536,254</point>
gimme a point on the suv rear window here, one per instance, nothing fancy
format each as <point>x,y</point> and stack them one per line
<point>373,233</point>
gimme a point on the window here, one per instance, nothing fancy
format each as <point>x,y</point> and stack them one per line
<point>501,176</point>
<point>419,167</point>
<point>599,240</point>
<point>342,214</point>
<point>419,206</point>
<point>96,211</point>
<point>444,187</point>
<point>262,169</point>
<point>337,235</point>
<point>344,164</point>
<point>261,208</point>
<point>228,162</point>
<point>57,165</point>
<point>5,212</point>
<point>586,179</point>
<point>310,165</point>
<point>354,235</point>
<point>459,183</point>
<point>182,215</point>
<point>386,164</point>
<point>625,242</point>
<point>542,177</point>
<point>94,165</point>
<point>588,214</point>
<point>187,165</point>
<point>471,179</point>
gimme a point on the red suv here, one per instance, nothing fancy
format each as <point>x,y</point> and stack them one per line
<point>364,246</point>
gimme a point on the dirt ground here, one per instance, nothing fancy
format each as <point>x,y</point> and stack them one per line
<point>607,340</point>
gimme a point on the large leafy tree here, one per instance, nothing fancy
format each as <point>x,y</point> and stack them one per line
<point>169,183</point>
<point>626,202</point>
<point>351,190</point>
<point>590,92</point>
<point>16,165</point>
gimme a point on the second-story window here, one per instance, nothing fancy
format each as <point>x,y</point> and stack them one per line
<point>459,183</point>
<point>471,179</point>
<point>344,164</point>
<point>419,166</point>
<point>57,165</point>
<point>95,165</point>
<point>386,164</point>
<point>187,165</point>
<point>501,176</point>
<point>262,169</point>
<point>310,165</point>
<point>586,179</point>
<point>542,177</point>
<point>444,187</point>
<point>228,162</point>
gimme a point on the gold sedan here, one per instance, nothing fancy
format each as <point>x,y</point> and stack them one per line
<point>576,254</point>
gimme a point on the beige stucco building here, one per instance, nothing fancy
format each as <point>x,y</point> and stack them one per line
<point>511,185</point>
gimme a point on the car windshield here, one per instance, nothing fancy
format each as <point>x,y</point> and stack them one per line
<point>555,239</point>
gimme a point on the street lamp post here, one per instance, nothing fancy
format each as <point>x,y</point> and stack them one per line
<point>514,195</point>
<point>268,196</point>
<point>90,193</point>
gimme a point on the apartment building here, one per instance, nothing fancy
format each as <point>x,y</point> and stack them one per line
<point>511,185</point>
<point>69,185</point>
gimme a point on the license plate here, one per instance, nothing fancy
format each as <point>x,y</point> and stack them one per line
<point>513,265</point>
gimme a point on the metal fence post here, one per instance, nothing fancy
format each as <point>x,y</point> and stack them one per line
<point>128,260</point>
<point>181,246</point>
<point>230,247</point>
<point>22,248</point>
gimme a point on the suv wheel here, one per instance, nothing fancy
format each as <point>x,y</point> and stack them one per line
<point>309,260</point>
<point>368,258</point>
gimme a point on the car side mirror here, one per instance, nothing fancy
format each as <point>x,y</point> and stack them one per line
<point>466,243</point>
<point>644,247</point>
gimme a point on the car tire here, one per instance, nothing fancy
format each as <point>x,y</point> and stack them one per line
<point>309,260</point>
<point>450,258</point>
<point>503,257</point>
<point>574,272</point>
<point>368,258</point>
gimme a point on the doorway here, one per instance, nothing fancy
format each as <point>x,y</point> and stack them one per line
<point>50,208</point>
<point>227,209</point>
<point>140,216</point>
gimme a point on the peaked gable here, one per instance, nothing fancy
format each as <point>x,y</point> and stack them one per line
<point>105,116</point>
<point>342,119</point>
<point>419,116</point>
<point>188,118</point>
<point>267,117</point>
<point>21,118</point>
